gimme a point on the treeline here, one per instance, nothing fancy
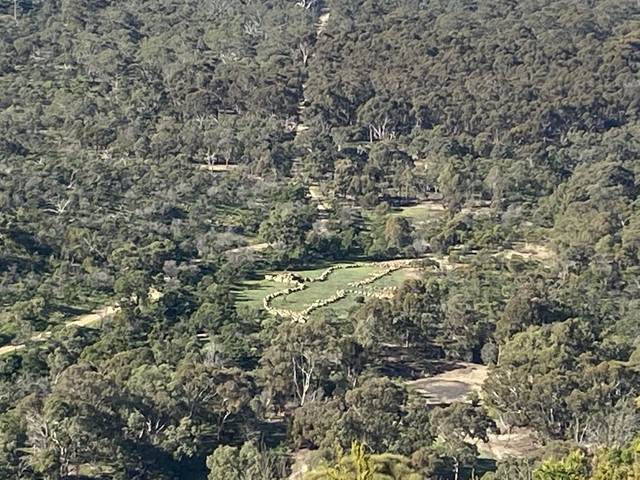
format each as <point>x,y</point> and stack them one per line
<point>485,94</point>
<point>522,73</point>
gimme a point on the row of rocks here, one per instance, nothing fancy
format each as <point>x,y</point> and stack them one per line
<point>266,301</point>
<point>390,267</point>
<point>373,278</point>
<point>382,293</point>
<point>300,283</point>
<point>339,295</point>
<point>286,277</point>
<point>323,276</point>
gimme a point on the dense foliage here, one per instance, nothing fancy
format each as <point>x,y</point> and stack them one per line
<point>158,157</point>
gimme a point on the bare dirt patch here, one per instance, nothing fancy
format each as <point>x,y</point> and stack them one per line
<point>515,444</point>
<point>528,251</point>
<point>451,386</point>
<point>219,168</point>
<point>300,464</point>
<point>81,321</point>
<point>249,248</point>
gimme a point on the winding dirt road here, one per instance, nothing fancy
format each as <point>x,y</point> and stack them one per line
<point>81,321</point>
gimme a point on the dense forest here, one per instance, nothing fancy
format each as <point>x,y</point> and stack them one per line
<point>320,239</point>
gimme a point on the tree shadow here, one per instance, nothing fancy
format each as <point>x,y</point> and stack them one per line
<point>70,311</point>
<point>410,363</point>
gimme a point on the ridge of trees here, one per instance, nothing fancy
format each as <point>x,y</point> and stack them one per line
<point>109,110</point>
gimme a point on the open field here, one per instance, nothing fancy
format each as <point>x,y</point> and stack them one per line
<point>423,212</point>
<point>343,277</point>
<point>337,280</point>
<point>515,444</point>
<point>451,386</point>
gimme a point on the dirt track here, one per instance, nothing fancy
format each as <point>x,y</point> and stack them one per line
<point>81,321</point>
<point>249,248</point>
<point>219,167</point>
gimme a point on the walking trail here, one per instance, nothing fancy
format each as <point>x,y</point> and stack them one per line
<point>82,321</point>
<point>85,320</point>
<point>299,126</point>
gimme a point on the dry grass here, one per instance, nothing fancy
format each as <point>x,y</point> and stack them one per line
<point>528,251</point>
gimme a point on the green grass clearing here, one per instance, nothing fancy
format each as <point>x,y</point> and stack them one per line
<point>318,290</point>
<point>252,292</point>
<point>422,213</point>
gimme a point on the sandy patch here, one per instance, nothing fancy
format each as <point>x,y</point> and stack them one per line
<point>81,321</point>
<point>219,168</point>
<point>452,386</point>
<point>249,248</point>
<point>516,444</point>
<point>528,251</point>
